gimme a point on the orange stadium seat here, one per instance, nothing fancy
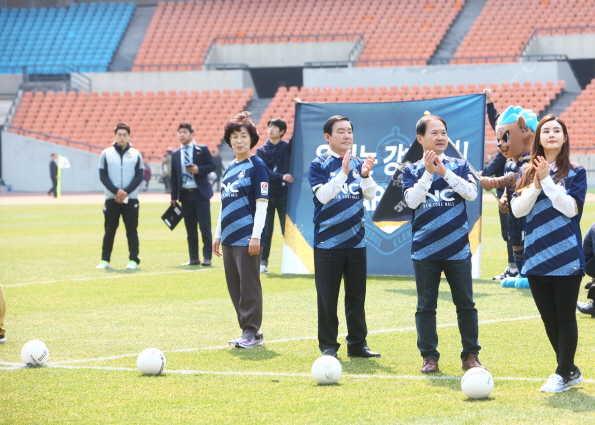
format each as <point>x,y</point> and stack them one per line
<point>90,118</point>
<point>504,94</point>
<point>168,40</point>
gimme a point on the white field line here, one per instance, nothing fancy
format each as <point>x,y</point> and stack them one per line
<point>283,374</point>
<point>118,276</point>
<point>277,341</point>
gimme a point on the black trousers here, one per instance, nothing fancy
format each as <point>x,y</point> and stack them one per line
<point>197,210</point>
<point>54,188</point>
<point>112,212</point>
<point>555,298</point>
<point>330,265</point>
<point>279,203</point>
<point>504,230</point>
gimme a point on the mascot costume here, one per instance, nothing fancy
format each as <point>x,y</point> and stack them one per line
<point>514,129</point>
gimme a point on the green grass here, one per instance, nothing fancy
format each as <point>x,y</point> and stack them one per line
<point>95,323</point>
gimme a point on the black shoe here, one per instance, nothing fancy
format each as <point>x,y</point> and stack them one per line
<point>362,352</point>
<point>330,352</point>
<point>586,308</point>
<point>191,263</point>
<point>206,262</point>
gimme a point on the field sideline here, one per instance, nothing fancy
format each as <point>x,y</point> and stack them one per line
<point>95,323</point>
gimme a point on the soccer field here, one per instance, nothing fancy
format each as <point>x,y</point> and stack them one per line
<point>96,322</point>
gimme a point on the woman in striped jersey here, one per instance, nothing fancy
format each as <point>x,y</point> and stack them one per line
<point>551,192</point>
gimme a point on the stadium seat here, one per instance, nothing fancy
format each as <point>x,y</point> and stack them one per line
<point>90,118</point>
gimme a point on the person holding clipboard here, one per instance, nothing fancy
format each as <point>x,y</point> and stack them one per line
<point>191,165</point>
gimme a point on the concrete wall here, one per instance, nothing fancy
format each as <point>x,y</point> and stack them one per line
<point>9,83</point>
<point>25,166</point>
<point>270,55</point>
<point>442,74</point>
<point>170,80</point>
<point>575,46</point>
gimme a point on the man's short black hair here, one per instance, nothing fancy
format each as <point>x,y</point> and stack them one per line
<point>422,124</point>
<point>187,126</point>
<point>278,122</point>
<point>122,126</point>
<point>328,125</point>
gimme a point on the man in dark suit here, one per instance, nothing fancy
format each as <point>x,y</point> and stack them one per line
<point>191,165</point>
<point>54,175</point>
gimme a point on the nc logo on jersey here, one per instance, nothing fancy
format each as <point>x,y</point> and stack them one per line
<point>440,195</point>
<point>264,188</point>
<point>230,187</point>
<point>355,173</point>
<point>241,174</point>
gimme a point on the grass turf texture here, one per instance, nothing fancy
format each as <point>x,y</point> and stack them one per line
<point>95,323</point>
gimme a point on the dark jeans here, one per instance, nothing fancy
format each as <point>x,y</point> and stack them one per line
<point>427,281</point>
<point>330,265</point>
<point>555,298</point>
<point>197,209</point>
<point>112,212</point>
<point>279,203</point>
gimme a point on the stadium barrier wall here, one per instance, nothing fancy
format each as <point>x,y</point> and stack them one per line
<point>442,74</point>
<point>9,83</point>
<point>272,55</point>
<point>25,166</point>
<point>575,46</point>
<point>171,80</point>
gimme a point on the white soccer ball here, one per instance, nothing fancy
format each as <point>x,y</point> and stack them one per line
<point>151,361</point>
<point>35,353</point>
<point>326,370</point>
<point>477,383</point>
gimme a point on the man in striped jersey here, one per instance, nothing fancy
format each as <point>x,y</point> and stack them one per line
<point>340,183</point>
<point>436,188</point>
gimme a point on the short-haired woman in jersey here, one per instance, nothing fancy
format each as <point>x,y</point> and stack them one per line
<point>241,227</point>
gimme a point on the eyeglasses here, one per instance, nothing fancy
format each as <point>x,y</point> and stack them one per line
<point>235,137</point>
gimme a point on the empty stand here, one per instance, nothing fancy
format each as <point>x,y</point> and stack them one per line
<point>504,26</point>
<point>531,96</point>
<point>405,32</point>
<point>83,36</point>
<point>153,117</point>
<point>579,120</point>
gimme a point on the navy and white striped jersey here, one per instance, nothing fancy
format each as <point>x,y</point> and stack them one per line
<point>242,184</point>
<point>553,241</point>
<point>340,222</point>
<point>439,224</point>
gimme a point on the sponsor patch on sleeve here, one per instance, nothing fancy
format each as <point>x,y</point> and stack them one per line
<point>264,188</point>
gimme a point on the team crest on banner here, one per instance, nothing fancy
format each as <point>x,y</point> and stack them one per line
<point>387,132</point>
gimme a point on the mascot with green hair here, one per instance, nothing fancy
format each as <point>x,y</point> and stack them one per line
<point>514,129</point>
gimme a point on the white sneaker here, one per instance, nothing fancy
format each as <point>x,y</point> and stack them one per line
<point>264,268</point>
<point>103,265</point>
<point>2,339</point>
<point>555,384</point>
<point>132,265</point>
<point>575,378</point>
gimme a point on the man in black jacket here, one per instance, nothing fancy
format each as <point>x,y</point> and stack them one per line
<point>191,165</point>
<point>121,173</point>
<point>54,175</point>
<point>276,154</point>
